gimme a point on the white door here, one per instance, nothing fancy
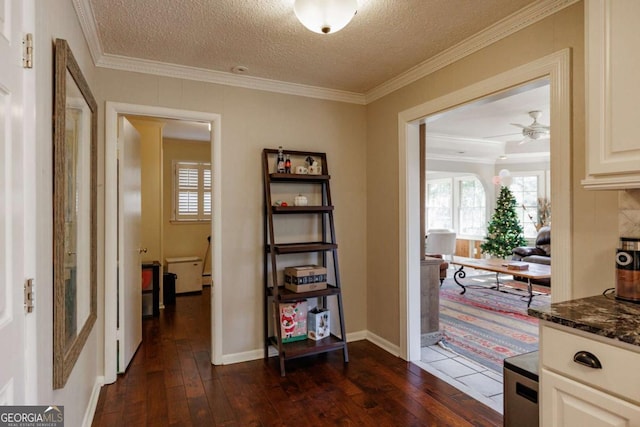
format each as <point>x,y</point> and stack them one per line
<point>129,262</point>
<point>14,180</point>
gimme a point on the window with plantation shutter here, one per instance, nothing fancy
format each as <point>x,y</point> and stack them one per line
<point>192,191</point>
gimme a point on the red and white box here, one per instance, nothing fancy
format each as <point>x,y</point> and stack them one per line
<point>318,323</point>
<point>292,319</point>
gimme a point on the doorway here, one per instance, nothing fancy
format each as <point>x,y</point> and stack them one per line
<point>471,152</point>
<point>556,68</point>
<point>113,111</point>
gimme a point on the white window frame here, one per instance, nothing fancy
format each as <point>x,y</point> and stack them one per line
<point>451,208</point>
<point>455,182</point>
<point>542,186</point>
<point>202,192</point>
<point>457,198</point>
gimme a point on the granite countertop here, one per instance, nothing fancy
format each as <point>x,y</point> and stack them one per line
<point>600,315</point>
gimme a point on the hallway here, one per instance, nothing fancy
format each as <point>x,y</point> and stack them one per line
<point>171,382</point>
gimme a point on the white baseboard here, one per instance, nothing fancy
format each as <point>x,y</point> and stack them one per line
<point>357,336</point>
<point>90,412</point>
<point>250,355</point>
<point>246,356</point>
<point>387,346</point>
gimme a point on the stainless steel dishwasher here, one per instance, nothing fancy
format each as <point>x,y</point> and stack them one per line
<point>521,390</point>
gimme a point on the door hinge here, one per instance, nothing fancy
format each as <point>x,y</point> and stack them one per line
<point>27,51</point>
<point>28,296</point>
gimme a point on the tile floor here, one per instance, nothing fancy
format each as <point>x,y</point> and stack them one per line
<point>475,380</point>
<point>479,382</point>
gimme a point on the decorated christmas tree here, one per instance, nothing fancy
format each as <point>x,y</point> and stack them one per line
<point>504,232</point>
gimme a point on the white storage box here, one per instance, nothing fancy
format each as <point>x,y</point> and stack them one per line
<point>318,323</point>
<point>188,271</point>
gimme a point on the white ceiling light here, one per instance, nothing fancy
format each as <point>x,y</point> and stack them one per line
<point>325,16</point>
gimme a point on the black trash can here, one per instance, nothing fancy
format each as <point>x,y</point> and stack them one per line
<point>169,288</point>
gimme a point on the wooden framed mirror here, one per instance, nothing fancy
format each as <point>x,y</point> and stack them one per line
<point>75,142</point>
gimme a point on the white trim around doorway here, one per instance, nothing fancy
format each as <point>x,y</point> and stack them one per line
<point>557,69</point>
<point>113,110</point>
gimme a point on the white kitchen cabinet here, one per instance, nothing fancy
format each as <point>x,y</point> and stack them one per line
<point>612,37</point>
<point>573,394</point>
<point>569,403</point>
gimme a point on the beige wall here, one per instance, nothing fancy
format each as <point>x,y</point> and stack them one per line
<point>186,239</point>
<point>57,19</point>
<point>250,121</point>
<point>150,187</point>
<point>594,214</point>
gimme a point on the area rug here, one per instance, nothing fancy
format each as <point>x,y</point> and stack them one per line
<point>485,325</point>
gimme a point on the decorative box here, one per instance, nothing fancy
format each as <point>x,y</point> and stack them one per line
<point>305,278</point>
<point>516,265</point>
<point>318,325</point>
<point>292,318</point>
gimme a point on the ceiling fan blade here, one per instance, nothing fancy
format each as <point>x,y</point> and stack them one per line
<point>519,125</point>
<point>540,128</point>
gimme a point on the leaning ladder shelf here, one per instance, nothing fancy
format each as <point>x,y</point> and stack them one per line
<point>277,293</point>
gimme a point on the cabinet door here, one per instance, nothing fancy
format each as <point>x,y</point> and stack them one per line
<point>613,147</point>
<point>567,403</point>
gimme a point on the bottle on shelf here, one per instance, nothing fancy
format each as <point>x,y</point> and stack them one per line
<point>280,161</point>
<point>287,165</point>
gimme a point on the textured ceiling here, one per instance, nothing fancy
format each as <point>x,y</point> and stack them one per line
<point>384,39</point>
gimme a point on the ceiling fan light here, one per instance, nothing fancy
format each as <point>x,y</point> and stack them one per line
<point>325,16</point>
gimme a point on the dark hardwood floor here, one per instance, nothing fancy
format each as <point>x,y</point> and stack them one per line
<point>171,382</point>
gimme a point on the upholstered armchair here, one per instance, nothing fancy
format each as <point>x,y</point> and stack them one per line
<point>438,244</point>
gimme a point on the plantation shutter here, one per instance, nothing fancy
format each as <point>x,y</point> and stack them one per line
<point>192,191</point>
<point>207,191</point>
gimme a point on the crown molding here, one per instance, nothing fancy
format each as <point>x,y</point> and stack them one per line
<point>512,159</point>
<point>453,139</point>
<point>84,11</point>
<point>248,82</point>
<point>520,158</point>
<point>515,22</point>
<point>459,158</point>
<point>523,18</point>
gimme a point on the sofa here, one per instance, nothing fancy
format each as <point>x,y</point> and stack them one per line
<point>540,253</point>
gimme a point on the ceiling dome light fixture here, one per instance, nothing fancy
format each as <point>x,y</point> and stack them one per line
<point>325,16</point>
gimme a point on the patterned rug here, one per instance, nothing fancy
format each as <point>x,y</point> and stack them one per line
<point>487,326</point>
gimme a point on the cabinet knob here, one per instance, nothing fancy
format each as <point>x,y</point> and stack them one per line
<point>587,359</point>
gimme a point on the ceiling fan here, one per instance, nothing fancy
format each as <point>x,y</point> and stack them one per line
<point>531,132</point>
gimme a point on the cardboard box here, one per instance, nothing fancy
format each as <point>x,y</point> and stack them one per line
<point>318,323</point>
<point>305,278</point>
<point>292,320</point>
